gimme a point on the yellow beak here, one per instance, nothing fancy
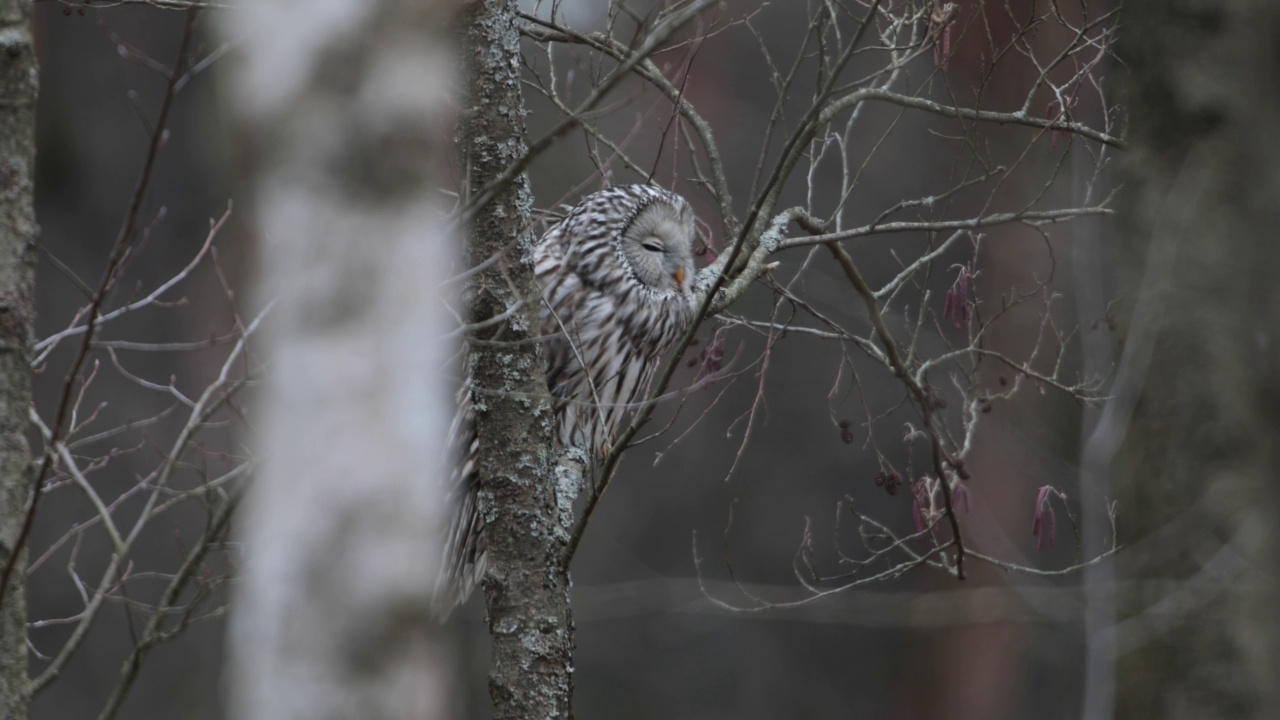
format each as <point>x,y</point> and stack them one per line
<point>679,276</point>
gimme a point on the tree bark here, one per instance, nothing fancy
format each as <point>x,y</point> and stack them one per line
<point>1198,497</point>
<point>351,102</point>
<point>526,509</point>
<point>18,231</point>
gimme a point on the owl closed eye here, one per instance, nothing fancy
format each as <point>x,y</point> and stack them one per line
<point>658,244</point>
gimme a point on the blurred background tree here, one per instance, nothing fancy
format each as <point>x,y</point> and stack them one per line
<point>1198,386</point>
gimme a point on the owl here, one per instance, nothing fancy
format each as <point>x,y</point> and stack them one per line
<point>616,280</point>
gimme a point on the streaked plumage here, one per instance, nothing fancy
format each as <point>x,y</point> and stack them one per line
<point>615,276</point>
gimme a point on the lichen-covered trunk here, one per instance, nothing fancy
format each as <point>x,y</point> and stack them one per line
<point>1199,500</point>
<point>18,85</point>
<point>351,103</point>
<point>527,585</point>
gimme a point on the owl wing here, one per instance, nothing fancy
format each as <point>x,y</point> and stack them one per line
<point>465,548</point>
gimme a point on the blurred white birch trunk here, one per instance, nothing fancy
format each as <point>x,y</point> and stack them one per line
<point>349,103</point>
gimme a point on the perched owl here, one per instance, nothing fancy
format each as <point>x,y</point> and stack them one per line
<point>616,280</point>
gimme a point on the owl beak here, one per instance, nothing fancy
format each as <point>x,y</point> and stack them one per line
<point>679,277</point>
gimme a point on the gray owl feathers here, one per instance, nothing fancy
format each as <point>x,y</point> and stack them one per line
<point>616,279</point>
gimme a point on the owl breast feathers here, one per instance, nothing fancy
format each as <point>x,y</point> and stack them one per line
<point>616,280</point>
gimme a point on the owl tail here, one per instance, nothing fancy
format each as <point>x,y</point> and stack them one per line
<point>464,555</point>
<point>462,564</point>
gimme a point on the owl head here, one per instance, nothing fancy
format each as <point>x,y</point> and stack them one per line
<point>657,240</point>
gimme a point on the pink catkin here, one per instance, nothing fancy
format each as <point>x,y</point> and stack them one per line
<point>1044,524</point>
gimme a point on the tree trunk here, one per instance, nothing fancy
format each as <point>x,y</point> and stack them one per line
<point>18,85</point>
<point>526,510</point>
<point>1198,498</point>
<point>343,528</point>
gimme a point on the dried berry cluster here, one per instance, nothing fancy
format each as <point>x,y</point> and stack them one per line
<point>890,481</point>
